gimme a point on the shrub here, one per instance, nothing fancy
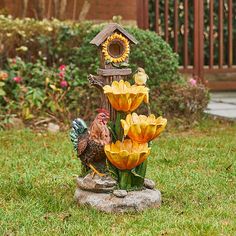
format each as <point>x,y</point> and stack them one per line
<point>185,101</point>
<point>156,56</point>
<point>53,41</point>
<point>38,83</point>
<point>33,88</point>
<point>151,53</point>
<point>57,42</point>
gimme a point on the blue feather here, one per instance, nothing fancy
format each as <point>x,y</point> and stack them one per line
<point>79,127</point>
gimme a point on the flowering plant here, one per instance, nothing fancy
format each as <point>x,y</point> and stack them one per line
<point>127,158</point>
<point>3,77</point>
<point>192,82</point>
<point>33,88</point>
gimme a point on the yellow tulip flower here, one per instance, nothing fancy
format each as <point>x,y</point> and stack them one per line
<point>124,97</point>
<point>143,129</point>
<point>128,154</point>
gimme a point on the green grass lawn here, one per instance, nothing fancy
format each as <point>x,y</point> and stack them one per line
<point>195,171</point>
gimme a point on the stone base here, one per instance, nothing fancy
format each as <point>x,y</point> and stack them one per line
<point>135,201</point>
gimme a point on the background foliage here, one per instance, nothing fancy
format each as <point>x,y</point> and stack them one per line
<point>32,53</point>
<point>57,42</point>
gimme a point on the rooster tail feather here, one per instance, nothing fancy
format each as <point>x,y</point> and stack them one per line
<point>79,127</point>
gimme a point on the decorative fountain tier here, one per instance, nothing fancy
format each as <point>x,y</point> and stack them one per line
<point>115,148</point>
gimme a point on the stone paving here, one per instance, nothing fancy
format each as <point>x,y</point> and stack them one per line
<point>222,104</point>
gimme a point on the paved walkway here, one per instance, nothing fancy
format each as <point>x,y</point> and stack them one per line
<point>222,104</point>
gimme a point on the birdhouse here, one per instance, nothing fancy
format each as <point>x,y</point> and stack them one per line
<point>114,46</point>
<point>113,43</point>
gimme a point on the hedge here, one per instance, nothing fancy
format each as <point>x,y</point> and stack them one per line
<point>33,51</point>
<point>65,42</point>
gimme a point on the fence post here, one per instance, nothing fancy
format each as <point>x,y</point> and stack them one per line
<point>142,14</point>
<point>195,41</point>
<point>198,39</point>
<point>201,41</point>
<point>157,17</point>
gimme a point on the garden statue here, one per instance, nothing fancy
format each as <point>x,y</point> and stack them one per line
<point>115,147</point>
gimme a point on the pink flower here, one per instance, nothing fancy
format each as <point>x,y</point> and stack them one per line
<point>62,74</point>
<point>193,82</point>
<point>17,79</point>
<point>64,84</point>
<point>62,67</point>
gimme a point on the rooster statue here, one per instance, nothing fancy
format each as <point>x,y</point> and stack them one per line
<point>89,143</point>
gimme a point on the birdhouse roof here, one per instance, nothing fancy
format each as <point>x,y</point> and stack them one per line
<point>108,30</point>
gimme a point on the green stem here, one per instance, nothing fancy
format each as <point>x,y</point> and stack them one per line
<point>125,179</point>
<point>111,128</point>
<point>118,129</point>
<point>149,109</point>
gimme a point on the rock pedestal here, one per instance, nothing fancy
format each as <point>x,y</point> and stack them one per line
<point>96,183</point>
<point>100,193</point>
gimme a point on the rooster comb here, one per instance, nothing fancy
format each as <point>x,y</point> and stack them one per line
<point>103,110</point>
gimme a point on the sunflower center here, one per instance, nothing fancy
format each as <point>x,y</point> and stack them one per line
<point>116,49</point>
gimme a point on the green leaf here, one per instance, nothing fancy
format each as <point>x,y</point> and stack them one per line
<point>139,174</point>
<point>27,114</point>
<point>112,170</point>
<point>51,105</point>
<point>2,92</point>
<point>2,84</point>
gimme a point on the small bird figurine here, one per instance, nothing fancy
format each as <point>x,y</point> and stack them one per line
<point>140,77</point>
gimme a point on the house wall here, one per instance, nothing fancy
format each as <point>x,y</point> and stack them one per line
<point>97,10</point>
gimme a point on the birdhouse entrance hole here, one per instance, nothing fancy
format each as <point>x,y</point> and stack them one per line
<point>116,49</point>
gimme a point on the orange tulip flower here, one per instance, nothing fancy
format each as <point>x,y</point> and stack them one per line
<point>143,129</point>
<point>128,154</point>
<point>125,97</point>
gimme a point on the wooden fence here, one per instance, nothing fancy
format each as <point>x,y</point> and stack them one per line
<point>200,31</point>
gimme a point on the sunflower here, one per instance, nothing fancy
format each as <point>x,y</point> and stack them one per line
<point>121,42</point>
